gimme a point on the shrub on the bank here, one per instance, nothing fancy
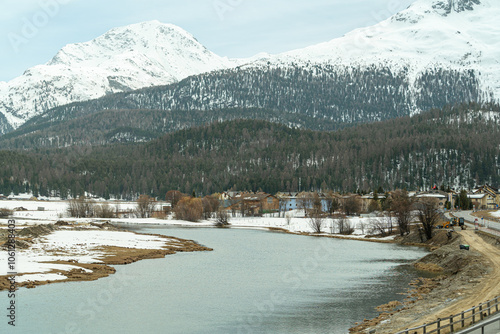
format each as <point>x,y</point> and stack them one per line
<point>104,211</point>
<point>222,218</point>
<point>210,206</point>
<point>344,226</point>
<point>81,207</point>
<point>4,213</point>
<point>190,209</point>
<point>146,205</point>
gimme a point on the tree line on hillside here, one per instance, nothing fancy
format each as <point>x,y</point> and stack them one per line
<point>135,126</point>
<point>455,146</point>
<point>319,97</point>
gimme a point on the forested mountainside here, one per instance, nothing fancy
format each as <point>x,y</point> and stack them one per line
<point>455,146</point>
<point>317,97</point>
<point>5,127</point>
<point>126,126</point>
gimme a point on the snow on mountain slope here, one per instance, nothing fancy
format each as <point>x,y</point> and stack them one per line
<point>429,35</point>
<point>126,58</point>
<point>450,34</point>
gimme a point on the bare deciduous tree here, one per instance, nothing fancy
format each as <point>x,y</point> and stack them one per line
<point>362,226</point>
<point>81,207</point>
<point>332,226</point>
<point>190,209</point>
<point>382,225</point>
<point>378,226</point>
<point>222,218</point>
<point>104,211</point>
<point>316,222</point>
<point>332,203</point>
<point>344,226</point>
<point>304,202</point>
<point>352,206</point>
<point>401,206</point>
<point>428,215</point>
<point>210,206</point>
<point>145,206</point>
<point>173,197</point>
<point>283,206</point>
<point>317,205</point>
<point>373,206</point>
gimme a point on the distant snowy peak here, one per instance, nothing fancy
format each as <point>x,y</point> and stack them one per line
<point>446,7</point>
<point>123,59</point>
<point>429,34</point>
<point>165,45</point>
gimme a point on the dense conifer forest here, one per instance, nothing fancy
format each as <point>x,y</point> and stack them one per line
<point>318,97</point>
<point>454,146</point>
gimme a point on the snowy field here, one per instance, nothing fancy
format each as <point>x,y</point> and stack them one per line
<point>49,212</point>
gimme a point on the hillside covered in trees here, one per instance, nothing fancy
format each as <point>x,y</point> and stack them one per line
<point>455,146</point>
<point>316,97</point>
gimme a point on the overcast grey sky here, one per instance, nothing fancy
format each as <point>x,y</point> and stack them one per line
<point>32,31</point>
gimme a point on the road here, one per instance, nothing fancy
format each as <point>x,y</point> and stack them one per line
<point>484,224</point>
<point>488,289</point>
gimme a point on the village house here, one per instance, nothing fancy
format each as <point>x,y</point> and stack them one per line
<point>367,199</point>
<point>441,197</point>
<point>296,201</point>
<point>288,201</point>
<point>252,204</point>
<point>485,197</point>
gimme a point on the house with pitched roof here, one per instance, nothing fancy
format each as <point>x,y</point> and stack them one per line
<point>252,204</point>
<point>485,197</point>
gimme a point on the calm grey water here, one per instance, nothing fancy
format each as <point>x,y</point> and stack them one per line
<point>253,282</point>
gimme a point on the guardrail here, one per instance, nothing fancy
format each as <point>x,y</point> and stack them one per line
<point>487,324</point>
<point>458,321</point>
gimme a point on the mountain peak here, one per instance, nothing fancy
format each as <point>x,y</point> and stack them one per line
<point>446,7</point>
<point>139,55</point>
<point>140,38</point>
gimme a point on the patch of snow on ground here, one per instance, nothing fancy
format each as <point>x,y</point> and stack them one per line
<point>495,213</point>
<point>81,246</point>
<point>39,277</point>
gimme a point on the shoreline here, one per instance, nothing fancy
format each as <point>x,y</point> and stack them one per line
<point>424,292</point>
<point>464,279</point>
<point>77,271</point>
<point>67,269</point>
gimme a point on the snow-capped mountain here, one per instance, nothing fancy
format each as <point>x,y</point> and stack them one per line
<point>433,53</point>
<point>449,34</point>
<point>126,58</point>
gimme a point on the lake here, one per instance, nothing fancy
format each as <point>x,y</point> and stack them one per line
<point>253,282</point>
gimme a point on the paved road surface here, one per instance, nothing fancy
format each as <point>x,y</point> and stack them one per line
<point>484,224</point>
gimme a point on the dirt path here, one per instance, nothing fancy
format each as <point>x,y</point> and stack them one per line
<point>488,289</point>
